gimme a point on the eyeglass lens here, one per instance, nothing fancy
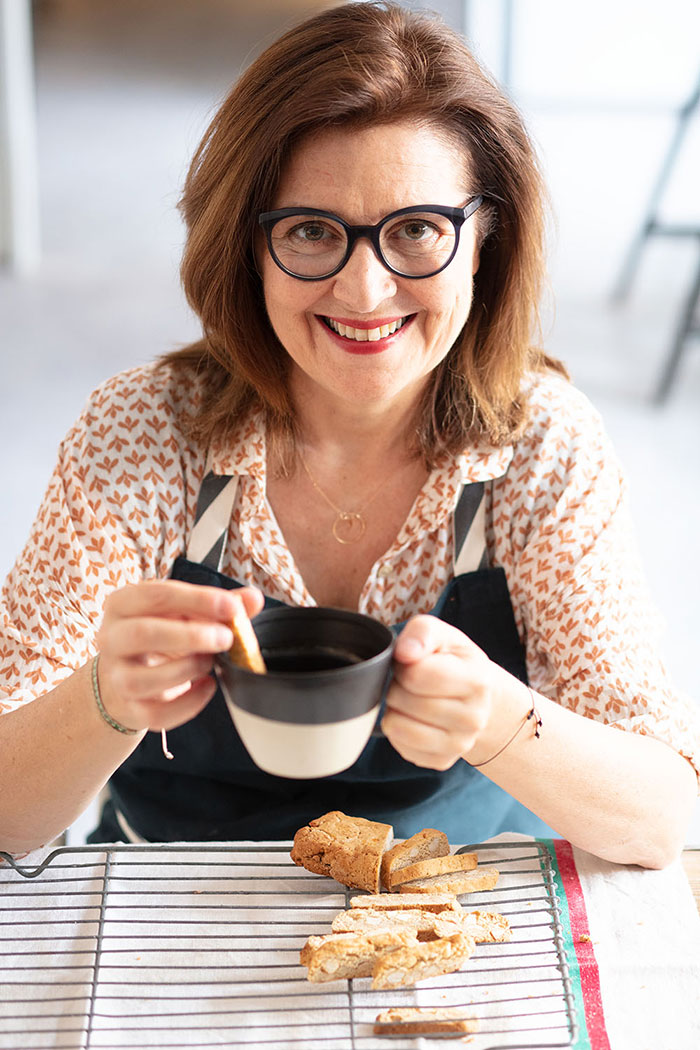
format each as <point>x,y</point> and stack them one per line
<point>416,244</point>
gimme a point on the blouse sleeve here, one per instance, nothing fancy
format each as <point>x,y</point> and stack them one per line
<point>113,513</point>
<point>591,630</point>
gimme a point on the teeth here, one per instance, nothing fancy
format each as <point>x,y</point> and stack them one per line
<point>363,335</point>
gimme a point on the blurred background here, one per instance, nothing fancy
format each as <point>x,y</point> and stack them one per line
<point>103,103</point>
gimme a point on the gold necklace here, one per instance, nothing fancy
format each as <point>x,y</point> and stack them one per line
<point>349,526</point>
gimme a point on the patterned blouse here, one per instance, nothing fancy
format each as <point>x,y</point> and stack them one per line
<point>121,503</point>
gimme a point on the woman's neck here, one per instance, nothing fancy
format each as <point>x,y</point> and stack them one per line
<point>344,433</point>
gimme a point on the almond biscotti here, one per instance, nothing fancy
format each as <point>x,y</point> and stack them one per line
<point>424,844</point>
<point>423,869</point>
<point>405,966</point>
<point>344,956</point>
<point>424,923</point>
<point>457,883</point>
<point>423,1020</point>
<point>348,849</point>
<point>437,902</point>
<point>245,651</point>
<point>486,927</point>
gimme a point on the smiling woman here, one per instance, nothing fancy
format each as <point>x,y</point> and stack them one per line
<point>369,423</point>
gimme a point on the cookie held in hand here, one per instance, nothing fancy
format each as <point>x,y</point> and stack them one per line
<point>245,651</point>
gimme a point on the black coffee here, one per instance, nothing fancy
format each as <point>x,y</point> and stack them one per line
<point>320,658</point>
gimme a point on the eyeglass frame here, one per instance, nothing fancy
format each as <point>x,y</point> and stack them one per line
<point>457,216</point>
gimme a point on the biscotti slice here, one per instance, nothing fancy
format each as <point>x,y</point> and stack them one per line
<point>426,923</point>
<point>425,869</point>
<point>349,849</point>
<point>422,1020</point>
<point>424,844</point>
<point>437,902</point>
<point>245,651</point>
<point>417,962</point>
<point>486,926</point>
<point>347,937</point>
<point>458,882</point>
<point>343,956</point>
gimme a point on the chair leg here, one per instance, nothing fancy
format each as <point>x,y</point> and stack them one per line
<point>687,326</point>
<point>650,224</point>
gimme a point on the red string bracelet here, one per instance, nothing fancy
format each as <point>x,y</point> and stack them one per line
<point>532,713</point>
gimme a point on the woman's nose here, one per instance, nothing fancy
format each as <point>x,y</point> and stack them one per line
<point>364,282</point>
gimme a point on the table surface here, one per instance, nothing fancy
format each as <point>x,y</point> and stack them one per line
<point>691,864</point>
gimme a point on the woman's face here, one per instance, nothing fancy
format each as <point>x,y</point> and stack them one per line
<point>361,176</point>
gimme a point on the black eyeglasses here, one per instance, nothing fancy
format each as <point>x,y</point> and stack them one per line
<point>411,242</point>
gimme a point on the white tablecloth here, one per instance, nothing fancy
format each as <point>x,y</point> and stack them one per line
<point>642,926</point>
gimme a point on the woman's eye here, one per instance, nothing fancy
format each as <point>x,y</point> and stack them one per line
<point>311,231</point>
<point>415,231</point>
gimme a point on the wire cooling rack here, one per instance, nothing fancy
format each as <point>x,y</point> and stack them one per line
<point>198,946</point>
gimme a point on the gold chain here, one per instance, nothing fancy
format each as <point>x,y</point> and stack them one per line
<point>349,526</point>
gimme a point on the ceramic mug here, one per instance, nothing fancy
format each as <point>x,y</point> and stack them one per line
<point>315,709</point>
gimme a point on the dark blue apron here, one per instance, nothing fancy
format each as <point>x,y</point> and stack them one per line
<point>212,790</point>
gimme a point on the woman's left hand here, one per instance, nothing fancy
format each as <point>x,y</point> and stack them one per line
<point>442,696</point>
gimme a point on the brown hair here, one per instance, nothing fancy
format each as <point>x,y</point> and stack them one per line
<point>350,66</point>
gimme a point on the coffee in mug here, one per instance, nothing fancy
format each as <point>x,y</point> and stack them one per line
<point>314,710</point>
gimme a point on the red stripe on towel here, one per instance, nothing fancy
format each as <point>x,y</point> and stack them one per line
<point>583,946</point>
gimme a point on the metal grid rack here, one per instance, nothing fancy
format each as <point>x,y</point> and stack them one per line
<point>197,946</point>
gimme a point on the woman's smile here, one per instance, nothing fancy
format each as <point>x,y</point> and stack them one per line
<point>366,337</point>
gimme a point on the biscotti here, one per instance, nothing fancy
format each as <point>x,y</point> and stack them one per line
<point>424,844</point>
<point>457,883</point>
<point>348,849</point>
<point>423,1020</point>
<point>245,650</point>
<point>486,927</point>
<point>437,902</point>
<point>425,869</point>
<point>483,926</point>
<point>405,966</point>
<point>344,956</point>
<point>416,930</point>
<point>424,923</point>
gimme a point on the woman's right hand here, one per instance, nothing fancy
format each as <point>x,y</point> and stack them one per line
<point>157,644</point>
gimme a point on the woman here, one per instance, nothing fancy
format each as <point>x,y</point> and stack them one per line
<point>365,423</point>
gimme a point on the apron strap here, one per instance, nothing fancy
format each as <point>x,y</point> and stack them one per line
<point>217,494</point>
<point>207,541</point>
<point>469,529</point>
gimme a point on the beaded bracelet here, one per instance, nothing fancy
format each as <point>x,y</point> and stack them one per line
<point>532,713</point>
<point>101,707</point>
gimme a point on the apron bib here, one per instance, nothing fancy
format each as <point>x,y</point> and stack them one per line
<point>212,790</point>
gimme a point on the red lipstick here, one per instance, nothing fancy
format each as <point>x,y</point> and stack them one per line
<point>361,346</point>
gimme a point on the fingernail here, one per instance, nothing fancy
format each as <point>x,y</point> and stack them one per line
<point>226,603</point>
<point>223,638</point>
<point>411,648</point>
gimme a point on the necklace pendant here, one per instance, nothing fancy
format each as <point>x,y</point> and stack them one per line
<point>349,528</point>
